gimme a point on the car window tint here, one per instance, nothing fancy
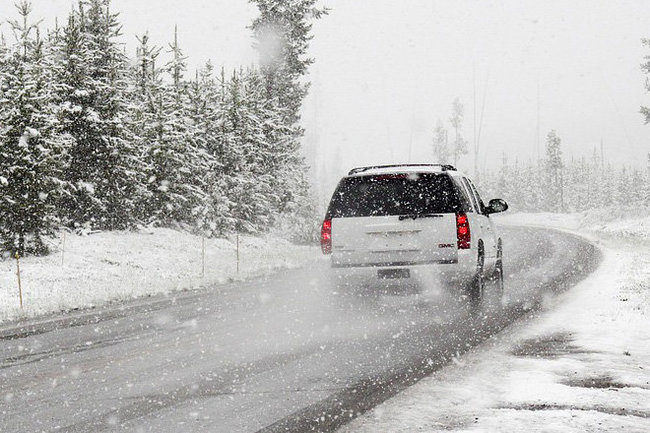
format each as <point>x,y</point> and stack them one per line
<point>394,194</point>
<point>478,196</point>
<point>471,195</point>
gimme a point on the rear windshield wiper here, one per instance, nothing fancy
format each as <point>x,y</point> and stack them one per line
<point>419,215</point>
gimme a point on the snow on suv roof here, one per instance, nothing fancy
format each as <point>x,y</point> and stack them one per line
<point>401,168</point>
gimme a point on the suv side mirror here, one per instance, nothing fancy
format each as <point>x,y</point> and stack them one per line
<point>497,205</point>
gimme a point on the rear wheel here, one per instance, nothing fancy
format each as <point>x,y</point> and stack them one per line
<point>477,285</point>
<point>498,273</point>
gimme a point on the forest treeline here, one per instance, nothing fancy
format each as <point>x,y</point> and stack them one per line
<point>550,183</point>
<point>555,184</point>
<point>92,139</point>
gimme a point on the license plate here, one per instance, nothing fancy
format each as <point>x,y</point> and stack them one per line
<point>393,274</point>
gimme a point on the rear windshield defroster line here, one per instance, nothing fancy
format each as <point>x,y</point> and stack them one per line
<point>386,195</point>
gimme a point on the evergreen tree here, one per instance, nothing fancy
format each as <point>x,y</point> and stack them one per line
<point>282,35</point>
<point>173,157</point>
<point>637,188</point>
<point>645,67</point>
<point>609,189</point>
<point>30,148</point>
<point>513,186</point>
<point>213,215</point>
<point>595,179</point>
<point>440,144</point>
<point>555,191</point>
<point>580,185</point>
<point>646,191</point>
<point>503,178</point>
<point>259,121</point>
<point>145,74</point>
<point>459,147</point>
<point>92,102</point>
<point>145,87</point>
<point>244,154</point>
<point>233,156</point>
<point>534,197</point>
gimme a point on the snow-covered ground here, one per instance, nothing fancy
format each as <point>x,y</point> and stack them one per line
<point>619,225</point>
<point>582,364</point>
<point>92,270</point>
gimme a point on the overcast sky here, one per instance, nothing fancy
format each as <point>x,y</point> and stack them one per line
<point>386,70</point>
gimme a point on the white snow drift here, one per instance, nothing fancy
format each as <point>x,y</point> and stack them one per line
<point>91,270</point>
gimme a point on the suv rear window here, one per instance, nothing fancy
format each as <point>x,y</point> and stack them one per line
<point>394,194</point>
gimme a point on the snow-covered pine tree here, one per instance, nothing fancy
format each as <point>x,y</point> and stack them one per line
<point>199,115</point>
<point>172,160</point>
<point>242,152</point>
<point>580,184</point>
<point>282,33</point>
<point>30,147</point>
<point>622,188</point>
<point>145,75</point>
<point>554,168</point>
<point>573,196</point>
<point>503,178</point>
<point>440,144</point>
<point>608,187</point>
<point>514,191</point>
<point>646,190</point>
<point>532,185</point>
<point>143,93</point>
<point>260,122</point>
<point>593,179</point>
<point>91,71</point>
<point>636,188</point>
<point>645,67</point>
<point>206,101</point>
<point>459,146</point>
<point>237,170</point>
<point>645,112</point>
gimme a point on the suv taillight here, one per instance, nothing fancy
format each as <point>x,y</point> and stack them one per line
<point>462,231</point>
<point>326,237</point>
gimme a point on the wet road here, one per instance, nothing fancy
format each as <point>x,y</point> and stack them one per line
<point>288,353</point>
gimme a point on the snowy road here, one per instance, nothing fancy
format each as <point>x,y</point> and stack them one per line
<point>283,353</point>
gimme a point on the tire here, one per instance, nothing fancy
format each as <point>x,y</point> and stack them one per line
<point>477,285</point>
<point>498,274</point>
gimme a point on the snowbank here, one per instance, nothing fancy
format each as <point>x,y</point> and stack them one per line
<point>632,223</point>
<point>579,365</point>
<point>90,270</point>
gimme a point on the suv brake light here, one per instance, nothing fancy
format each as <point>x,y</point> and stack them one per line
<point>326,237</point>
<point>462,231</point>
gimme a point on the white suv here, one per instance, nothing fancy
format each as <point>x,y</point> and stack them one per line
<point>413,222</point>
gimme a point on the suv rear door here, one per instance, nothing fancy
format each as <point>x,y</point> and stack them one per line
<point>394,220</point>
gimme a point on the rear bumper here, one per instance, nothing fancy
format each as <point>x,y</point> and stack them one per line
<point>451,272</point>
<point>395,264</point>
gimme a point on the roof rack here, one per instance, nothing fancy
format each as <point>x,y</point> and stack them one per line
<point>444,167</point>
